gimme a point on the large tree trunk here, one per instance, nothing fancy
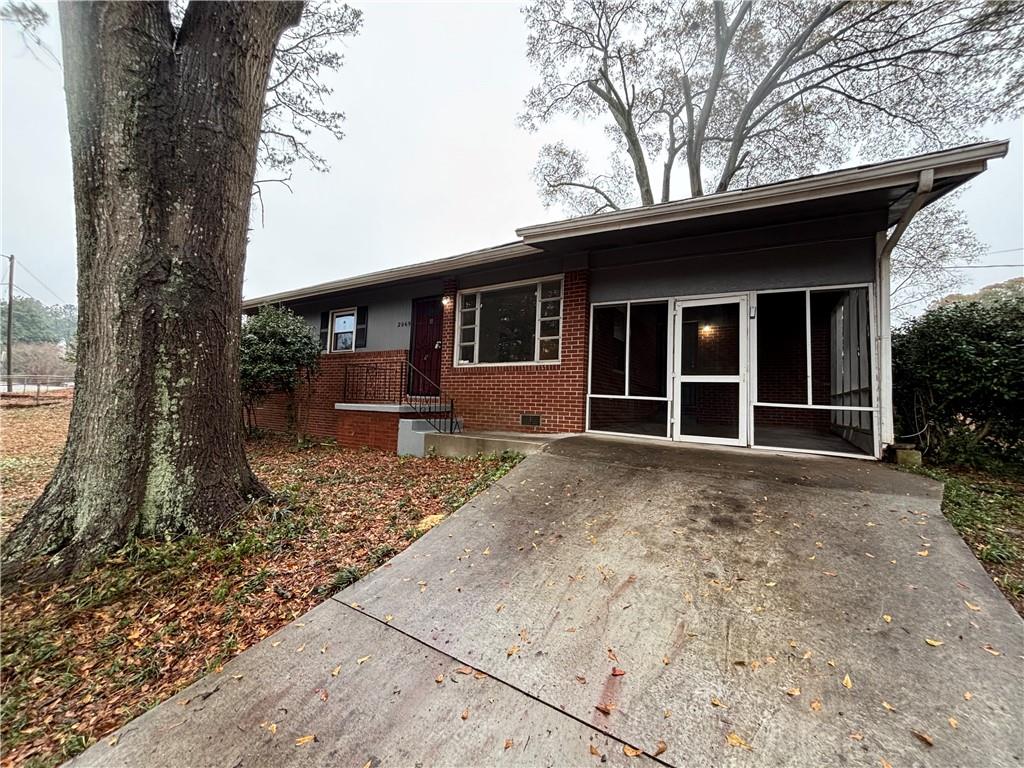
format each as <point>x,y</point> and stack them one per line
<point>164,129</point>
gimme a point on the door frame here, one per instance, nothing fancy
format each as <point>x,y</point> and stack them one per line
<point>742,377</point>
<point>412,345</point>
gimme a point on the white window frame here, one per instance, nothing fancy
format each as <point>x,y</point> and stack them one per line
<point>483,291</point>
<point>330,329</point>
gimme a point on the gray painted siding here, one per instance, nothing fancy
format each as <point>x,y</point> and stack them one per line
<point>388,315</point>
<point>789,267</point>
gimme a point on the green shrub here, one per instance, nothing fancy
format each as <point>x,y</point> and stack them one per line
<point>278,347</point>
<point>958,380</point>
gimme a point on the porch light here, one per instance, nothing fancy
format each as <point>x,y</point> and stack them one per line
<point>446,301</point>
<point>707,329</point>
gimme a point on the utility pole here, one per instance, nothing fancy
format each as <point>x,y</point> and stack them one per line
<point>10,318</point>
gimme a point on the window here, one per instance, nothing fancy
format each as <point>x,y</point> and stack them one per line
<point>343,330</point>
<point>518,323</point>
<point>629,368</point>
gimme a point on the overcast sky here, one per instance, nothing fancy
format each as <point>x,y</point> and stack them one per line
<point>432,165</point>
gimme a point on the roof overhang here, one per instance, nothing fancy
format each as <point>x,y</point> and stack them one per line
<point>887,189</point>
<point>891,184</point>
<point>422,270</point>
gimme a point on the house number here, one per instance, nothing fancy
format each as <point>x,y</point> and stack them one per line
<point>404,323</point>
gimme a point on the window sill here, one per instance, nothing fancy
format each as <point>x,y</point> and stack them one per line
<point>524,364</point>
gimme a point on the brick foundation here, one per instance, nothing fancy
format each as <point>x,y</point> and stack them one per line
<point>342,379</point>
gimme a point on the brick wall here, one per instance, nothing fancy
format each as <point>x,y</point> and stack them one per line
<point>494,397</point>
<point>343,377</point>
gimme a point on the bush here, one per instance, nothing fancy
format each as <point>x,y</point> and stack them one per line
<point>278,349</point>
<point>958,379</point>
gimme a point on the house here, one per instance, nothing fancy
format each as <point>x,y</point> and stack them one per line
<point>758,317</point>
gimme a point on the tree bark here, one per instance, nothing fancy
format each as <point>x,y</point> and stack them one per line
<point>164,127</point>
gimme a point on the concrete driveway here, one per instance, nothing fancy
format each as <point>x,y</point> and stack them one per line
<point>706,607</point>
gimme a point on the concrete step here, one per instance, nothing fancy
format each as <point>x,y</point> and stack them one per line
<point>473,443</point>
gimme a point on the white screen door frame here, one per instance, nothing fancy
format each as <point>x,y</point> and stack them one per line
<point>741,377</point>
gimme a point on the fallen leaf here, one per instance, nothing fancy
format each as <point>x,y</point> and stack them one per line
<point>972,606</point>
<point>301,648</point>
<point>793,692</point>
<point>831,662</point>
<point>272,727</point>
<point>612,656</point>
<point>605,709</point>
<point>716,702</point>
<point>662,748</point>
<point>629,751</point>
<point>807,655</point>
<point>888,706</point>
<point>923,738</point>
<point>508,743</point>
<point>465,714</point>
<point>112,741</point>
<point>923,553</point>
<point>387,620</point>
<point>616,672</point>
<point>933,643</point>
<point>512,651</point>
<point>968,695</point>
<point>595,751</point>
<point>987,647</point>
<point>885,763</point>
<point>323,693</point>
<point>439,679</point>
<point>478,675</point>
<point>887,618</point>
<point>487,551</point>
<point>954,723</point>
<point>668,713</point>
<point>857,736</point>
<point>735,740</point>
<point>498,607</point>
<point>665,660</point>
<point>336,671</point>
<point>304,740</point>
<point>362,660</point>
<point>581,679</point>
<point>369,763</point>
<point>464,670</point>
<point>816,705</point>
<point>847,682</point>
<point>769,583</point>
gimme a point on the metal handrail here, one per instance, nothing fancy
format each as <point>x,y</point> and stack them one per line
<point>431,408</point>
<point>390,381</point>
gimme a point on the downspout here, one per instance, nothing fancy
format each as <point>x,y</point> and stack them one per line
<point>884,247</point>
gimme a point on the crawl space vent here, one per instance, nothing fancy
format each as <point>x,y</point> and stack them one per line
<point>529,419</point>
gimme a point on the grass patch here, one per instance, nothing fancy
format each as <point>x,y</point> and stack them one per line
<point>988,511</point>
<point>81,659</point>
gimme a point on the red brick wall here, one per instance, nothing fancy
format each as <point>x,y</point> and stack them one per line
<point>494,397</point>
<point>343,377</point>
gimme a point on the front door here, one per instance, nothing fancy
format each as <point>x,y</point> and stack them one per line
<point>710,370</point>
<point>425,347</point>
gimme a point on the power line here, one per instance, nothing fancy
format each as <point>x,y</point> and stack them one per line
<point>982,266</point>
<point>21,265</point>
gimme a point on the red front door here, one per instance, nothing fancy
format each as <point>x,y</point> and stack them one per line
<point>425,347</point>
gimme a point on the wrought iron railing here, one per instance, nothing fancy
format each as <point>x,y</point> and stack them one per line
<point>400,382</point>
<point>436,408</point>
<point>382,381</point>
